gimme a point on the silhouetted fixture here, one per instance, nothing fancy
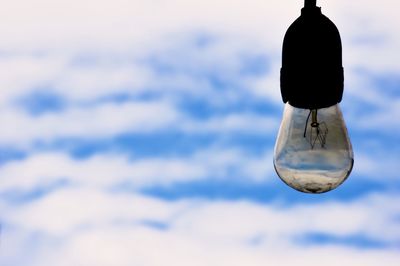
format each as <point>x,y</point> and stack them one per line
<point>313,152</point>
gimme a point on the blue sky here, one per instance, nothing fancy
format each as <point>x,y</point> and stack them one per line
<point>142,133</point>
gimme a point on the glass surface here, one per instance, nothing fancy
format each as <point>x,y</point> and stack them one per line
<point>313,152</point>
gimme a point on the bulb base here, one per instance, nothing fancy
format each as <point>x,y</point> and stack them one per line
<point>312,72</point>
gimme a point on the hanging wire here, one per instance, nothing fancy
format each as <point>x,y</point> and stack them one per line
<point>310,3</point>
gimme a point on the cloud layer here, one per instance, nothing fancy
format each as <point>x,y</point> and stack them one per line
<point>107,106</point>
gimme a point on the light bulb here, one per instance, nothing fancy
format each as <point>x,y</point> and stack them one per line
<point>313,152</point>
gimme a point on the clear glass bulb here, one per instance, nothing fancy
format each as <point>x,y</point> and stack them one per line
<point>313,152</point>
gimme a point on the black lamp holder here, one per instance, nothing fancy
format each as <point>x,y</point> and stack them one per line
<point>312,71</point>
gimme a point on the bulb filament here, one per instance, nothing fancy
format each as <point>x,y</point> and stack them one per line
<point>317,131</point>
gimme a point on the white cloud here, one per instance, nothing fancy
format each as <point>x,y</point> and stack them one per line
<point>41,47</point>
<point>98,228</point>
<point>108,120</point>
<point>122,29</point>
<point>69,210</point>
<point>105,171</point>
<point>25,73</point>
<point>369,33</point>
<point>385,119</point>
<point>366,217</point>
<point>234,122</point>
<point>105,120</point>
<point>82,78</point>
<point>129,246</point>
<point>126,25</point>
<point>99,79</point>
<point>130,26</point>
<point>381,165</point>
<point>268,86</point>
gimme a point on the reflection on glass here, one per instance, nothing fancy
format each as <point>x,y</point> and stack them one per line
<point>313,153</point>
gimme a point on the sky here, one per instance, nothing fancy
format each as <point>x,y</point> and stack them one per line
<point>142,133</point>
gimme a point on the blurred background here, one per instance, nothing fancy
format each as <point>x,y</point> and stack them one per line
<point>142,132</point>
